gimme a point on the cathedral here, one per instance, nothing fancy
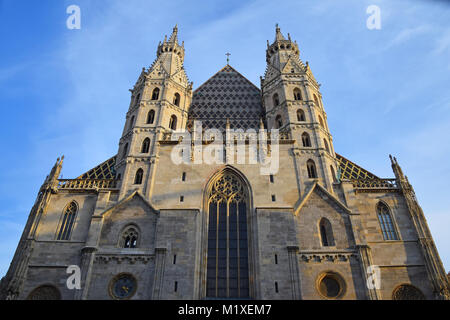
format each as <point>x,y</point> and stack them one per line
<point>162,220</point>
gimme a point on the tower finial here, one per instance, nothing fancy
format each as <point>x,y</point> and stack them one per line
<point>278,34</point>
<point>228,58</point>
<point>174,35</point>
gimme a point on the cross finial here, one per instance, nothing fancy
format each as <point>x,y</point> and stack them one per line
<point>228,58</point>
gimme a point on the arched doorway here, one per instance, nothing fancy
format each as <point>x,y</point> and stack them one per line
<point>227,230</point>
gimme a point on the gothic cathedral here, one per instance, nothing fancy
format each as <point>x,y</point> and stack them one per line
<point>143,226</point>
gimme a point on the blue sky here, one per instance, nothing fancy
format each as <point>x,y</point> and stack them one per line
<point>66,91</point>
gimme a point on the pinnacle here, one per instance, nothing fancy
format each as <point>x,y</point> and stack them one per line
<point>278,35</point>
<point>174,35</point>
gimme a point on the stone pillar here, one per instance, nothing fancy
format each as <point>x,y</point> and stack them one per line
<point>87,260</point>
<point>160,261</point>
<point>365,258</point>
<point>294,271</point>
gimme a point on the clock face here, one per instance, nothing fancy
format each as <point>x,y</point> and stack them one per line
<point>123,286</point>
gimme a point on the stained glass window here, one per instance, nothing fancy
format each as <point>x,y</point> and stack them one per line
<point>387,227</point>
<point>67,222</point>
<point>227,260</point>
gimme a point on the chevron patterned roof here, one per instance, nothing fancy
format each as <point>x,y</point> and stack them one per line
<point>104,170</point>
<point>227,95</point>
<point>350,170</point>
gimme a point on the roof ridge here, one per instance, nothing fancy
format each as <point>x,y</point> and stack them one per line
<point>361,168</point>
<point>222,70</point>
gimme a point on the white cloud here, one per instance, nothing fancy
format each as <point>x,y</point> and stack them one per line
<point>407,35</point>
<point>442,43</point>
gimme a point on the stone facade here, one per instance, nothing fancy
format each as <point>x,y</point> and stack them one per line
<point>140,226</point>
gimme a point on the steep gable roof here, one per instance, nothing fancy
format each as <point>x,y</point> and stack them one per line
<point>132,196</point>
<point>317,187</point>
<point>227,95</point>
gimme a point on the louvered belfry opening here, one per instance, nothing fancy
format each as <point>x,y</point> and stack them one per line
<point>227,258</point>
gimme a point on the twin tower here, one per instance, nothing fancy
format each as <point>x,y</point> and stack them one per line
<point>163,101</point>
<point>139,226</point>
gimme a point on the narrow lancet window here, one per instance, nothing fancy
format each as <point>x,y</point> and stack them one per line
<point>138,177</point>
<point>151,117</point>
<point>68,219</point>
<point>306,140</point>
<point>311,166</point>
<point>326,233</point>
<point>385,219</point>
<point>297,94</point>
<point>145,146</point>
<point>155,94</point>
<point>173,122</point>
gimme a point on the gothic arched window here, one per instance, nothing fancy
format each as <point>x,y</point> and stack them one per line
<point>68,219</point>
<point>151,117</point>
<point>139,176</point>
<point>155,94</point>
<point>129,238</point>
<point>278,122</point>
<point>125,151</point>
<point>176,99</point>
<point>145,146</point>
<point>276,99</point>
<point>297,94</point>
<point>333,174</point>
<point>326,145</point>
<point>45,292</point>
<point>173,122</point>
<point>321,122</point>
<point>138,98</point>
<point>311,166</point>
<point>326,233</point>
<point>131,123</point>
<point>301,115</point>
<point>316,100</point>
<point>227,259</point>
<point>306,140</point>
<point>385,219</point>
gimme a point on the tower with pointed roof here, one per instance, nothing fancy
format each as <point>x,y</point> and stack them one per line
<point>160,101</point>
<point>141,226</point>
<point>293,104</point>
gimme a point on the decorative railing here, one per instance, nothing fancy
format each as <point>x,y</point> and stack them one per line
<point>87,184</point>
<point>381,184</point>
<point>282,136</point>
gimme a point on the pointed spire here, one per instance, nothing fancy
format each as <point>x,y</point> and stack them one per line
<point>52,178</point>
<point>396,168</point>
<point>174,35</point>
<point>278,35</point>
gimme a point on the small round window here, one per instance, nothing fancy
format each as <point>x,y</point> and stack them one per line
<point>331,286</point>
